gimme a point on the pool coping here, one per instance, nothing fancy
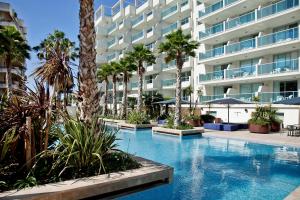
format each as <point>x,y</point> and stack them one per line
<point>151,173</point>
<point>134,126</point>
<point>176,132</point>
<point>254,140</point>
<point>295,195</point>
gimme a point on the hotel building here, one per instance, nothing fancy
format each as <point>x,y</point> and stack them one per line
<point>249,49</point>
<point>8,17</point>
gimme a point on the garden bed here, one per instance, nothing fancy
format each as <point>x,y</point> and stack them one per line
<point>115,121</point>
<point>151,173</point>
<point>169,131</point>
<point>135,126</point>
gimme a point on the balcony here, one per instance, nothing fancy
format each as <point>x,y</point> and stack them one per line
<point>259,46</point>
<point>137,21</point>
<point>287,68</point>
<point>134,85</point>
<point>266,17</point>
<point>215,7</point>
<point>177,11</point>
<point>168,66</point>
<point>171,83</point>
<point>137,36</point>
<point>112,29</point>
<point>169,11</point>
<point>169,29</point>
<point>111,42</point>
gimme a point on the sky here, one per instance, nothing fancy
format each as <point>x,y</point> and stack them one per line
<point>42,17</point>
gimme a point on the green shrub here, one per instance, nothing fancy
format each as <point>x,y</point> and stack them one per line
<point>135,117</point>
<point>207,118</point>
<point>264,115</point>
<point>184,126</point>
<point>29,181</point>
<point>192,117</point>
<point>260,122</point>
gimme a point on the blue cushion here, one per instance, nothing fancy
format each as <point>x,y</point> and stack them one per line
<point>230,127</point>
<point>213,126</point>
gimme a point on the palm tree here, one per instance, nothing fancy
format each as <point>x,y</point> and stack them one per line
<point>189,91</point>
<point>57,54</point>
<point>103,74</point>
<point>178,46</point>
<point>13,50</point>
<point>126,68</point>
<point>88,90</point>
<point>141,55</point>
<point>115,72</point>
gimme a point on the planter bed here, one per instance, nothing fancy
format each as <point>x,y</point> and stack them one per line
<point>169,131</point>
<point>115,121</point>
<point>150,174</point>
<point>135,126</point>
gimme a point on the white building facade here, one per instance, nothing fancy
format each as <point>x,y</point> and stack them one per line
<point>8,17</point>
<point>249,49</point>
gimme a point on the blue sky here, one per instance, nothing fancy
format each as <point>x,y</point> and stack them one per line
<point>42,17</point>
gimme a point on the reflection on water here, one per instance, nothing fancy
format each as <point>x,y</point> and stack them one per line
<point>216,168</point>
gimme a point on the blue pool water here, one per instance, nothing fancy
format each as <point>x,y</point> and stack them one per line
<point>215,168</point>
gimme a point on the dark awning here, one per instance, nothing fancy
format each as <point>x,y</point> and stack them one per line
<point>292,101</point>
<point>226,101</point>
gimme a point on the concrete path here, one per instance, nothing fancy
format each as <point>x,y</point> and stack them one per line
<point>272,138</point>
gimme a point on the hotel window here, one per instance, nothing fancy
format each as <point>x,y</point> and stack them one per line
<point>184,21</point>
<point>249,66</point>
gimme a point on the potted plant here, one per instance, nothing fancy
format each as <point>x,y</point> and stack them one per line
<point>275,121</point>
<point>260,120</point>
<point>193,120</point>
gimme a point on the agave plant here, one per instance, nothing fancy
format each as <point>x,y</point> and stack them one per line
<point>81,148</point>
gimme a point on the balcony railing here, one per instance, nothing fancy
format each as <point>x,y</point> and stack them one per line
<point>279,67</point>
<point>273,38</point>
<point>217,6</point>
<point>169,29</point>
<point>274,68</point>
<point>290,34</point>
<point>264,97</point>
<point>112,27</point>
<point>168,11</point>
<point>168,83</point>
<point>111,42</point>
<point>268,97</point>
<point>277,7</point>
<point>137,36</point>
<point>134,85</point>
<point>170,65</point>
<point>137,20</point>
<point>255,15</point>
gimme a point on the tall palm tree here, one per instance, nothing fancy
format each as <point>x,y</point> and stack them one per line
<point>141,55</point>
<point>88,90</point>
<point>115,72</point>
<point>178,46</point>
<point>126,68</point>
<point>13,50</point>
<point>103,73</point>
<point>57,54</point>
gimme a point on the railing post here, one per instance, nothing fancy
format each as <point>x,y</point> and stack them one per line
<point>256,15</point>
<point>256,70</point>
<point>225,74</point>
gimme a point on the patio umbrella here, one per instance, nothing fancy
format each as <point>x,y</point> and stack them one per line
<point>170,102</point>
<point>292,101</point>
<point>226,101</point>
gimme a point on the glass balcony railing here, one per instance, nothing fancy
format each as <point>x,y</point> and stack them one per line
<point>268,97</point>
<point>168,11</point>
<point>111,42</point>
<point>219,51</point>
<point>290,34</point>
<point>214,7</point>
<point>185,79</point>
<point>277,7</point>
<point>134,84</point>
<point>279,67</point>
<point>240,72</point>
<point>111,57</point>
<point>137,20</point>
<point>216,75</point>
<point>170,65</point>
<point>169,29</point>
<point>243,19</point>
<point>137,36</point>
<point>168,83</point>
<point>112,27</point>
<point>240,46</point>
<point>212,30</point>
<point>273,38</point>
<point>248,17</point>
<point>247,97</point>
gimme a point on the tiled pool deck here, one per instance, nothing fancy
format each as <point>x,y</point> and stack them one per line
<point>280,138</point>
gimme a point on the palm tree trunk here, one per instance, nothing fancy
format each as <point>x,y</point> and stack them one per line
<point>104,112</point>
<point>114,97</point>
<point>89,91</point>
<point>140,89</point>
<point>8,76</point>
<point>124,100</point>
<point>177,120</point>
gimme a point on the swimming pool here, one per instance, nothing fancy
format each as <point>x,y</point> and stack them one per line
<point>215,168</point>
